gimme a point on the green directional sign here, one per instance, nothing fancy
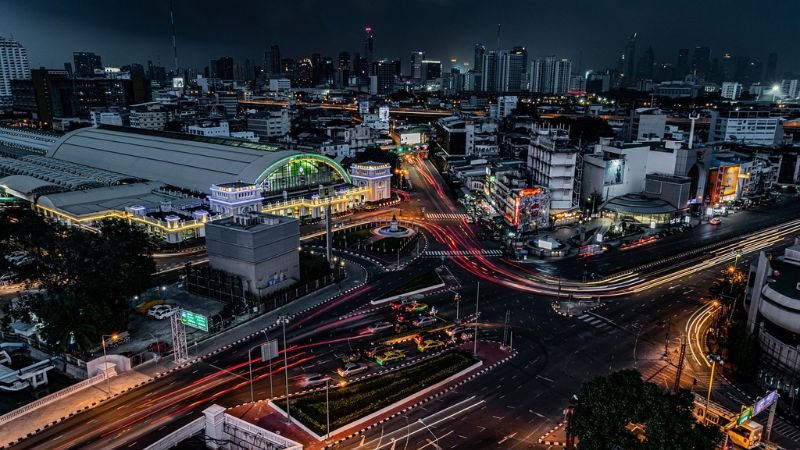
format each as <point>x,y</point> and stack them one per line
<point>194,320</point>
<point>744,416</point>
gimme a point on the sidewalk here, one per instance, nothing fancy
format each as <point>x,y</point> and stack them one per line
<point>63,408</point>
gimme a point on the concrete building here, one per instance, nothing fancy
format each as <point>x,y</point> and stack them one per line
<point>746,127</point>
<point>502,109</point>
<point>550,75</point>
<point>772,300</point>
<point>614,170</point>
<point>97,117</point>
<point>14,65</point>
<point>456,136</point>
<point>552,162</point>
<point>260,248</point>
<point>209,128</point>
<point>85,64</point>
<point>149,119</point>
<point>731,90</point>
<point>271,124</point>
<point>646,124</point>
<point>377,177</point>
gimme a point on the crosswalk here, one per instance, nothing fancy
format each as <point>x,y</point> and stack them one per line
<point>596,322</point>
<point>482,252</point>
<point>446,216</point>
<point>784,429</point>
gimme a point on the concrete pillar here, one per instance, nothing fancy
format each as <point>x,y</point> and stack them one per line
<point>215,418</point>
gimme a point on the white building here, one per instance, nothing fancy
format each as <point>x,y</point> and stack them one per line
<point>378,176</point>
<point>105,118</point>
<point>270,124</point>
<point>14,65</point>
<point>552,163</point>
<point>210,129</point>
<point>280,84</point>
<point>789,88</point>
<point>645,124</point>
<point>505,104</point>
<point>746,127</point>
<point>731,90</point>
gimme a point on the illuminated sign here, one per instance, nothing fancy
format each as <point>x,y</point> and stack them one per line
<point>194,320</point>
<point>765,402</point>
<point>178,83</point>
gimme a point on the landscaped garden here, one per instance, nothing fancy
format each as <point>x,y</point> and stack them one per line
<point>354,401</point>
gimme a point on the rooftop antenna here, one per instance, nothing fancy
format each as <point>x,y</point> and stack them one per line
<point>499,26</point>
<point>174,41</point>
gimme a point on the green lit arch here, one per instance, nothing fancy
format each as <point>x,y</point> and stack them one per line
<point>272,168</point>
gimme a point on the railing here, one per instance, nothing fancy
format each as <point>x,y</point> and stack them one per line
<point>185,432</point>
<point>255,430</point>
<point>44,401</point>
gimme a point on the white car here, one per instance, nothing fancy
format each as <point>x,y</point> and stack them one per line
<point>379,326</point>
<point>351,369</point>
<point>422,322</point>
<point>313,379</point>
<point>161,312</point>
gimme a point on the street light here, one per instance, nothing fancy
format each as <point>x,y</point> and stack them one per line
<point>714,358</point>
<point>327,410</point>
<point>283,320</point>
<point>105,358</point>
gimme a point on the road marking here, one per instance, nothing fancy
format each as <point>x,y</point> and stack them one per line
<point>505,438</point>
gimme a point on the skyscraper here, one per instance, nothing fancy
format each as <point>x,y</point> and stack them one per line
<point>480,50</point>
<point>701,60</point>
<point>772,67</point>
<point>550,75</point>
<point>629,69</point>
<point>272,60</point>
<point>416,64</point>
<point>494,76</point>
<point>86,63</point>
<point>682,65</point>
<point>430,70</point>
<point>646,64</point>
<point>517,64</point>
<point>369,43</point>
<point>14,65</point>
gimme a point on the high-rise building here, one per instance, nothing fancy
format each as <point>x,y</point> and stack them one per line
<point>14,65</point>
<point>272,60</point>
<point>382,80</point>
<point>517,65</point>
<point>701,60</point>
<point>772,67</point>
<point>682,65</point>
<point>731,90</point>
<point>480,50</point>
<point>629,68</point>
<point>549,75</point>
<point>726,67</point>
<point>495,71</point>
<point>369,46</point>
<point>221,68</point>
<point>430,70</point>
<point>789,88</point>
<point>86,63</point>
<point>344,61</point>
<point>417,57</point>
<point>646,64</point>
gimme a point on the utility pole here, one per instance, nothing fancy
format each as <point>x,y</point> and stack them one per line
<point>505,327</point>
<point>679,370</point>
<point>475,340</point>
<point>771,419</point>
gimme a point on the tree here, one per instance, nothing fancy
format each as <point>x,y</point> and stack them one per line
<point>607,405</point>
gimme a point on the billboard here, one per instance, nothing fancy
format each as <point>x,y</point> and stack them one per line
<point>614,172</point>
<point>178,83</point>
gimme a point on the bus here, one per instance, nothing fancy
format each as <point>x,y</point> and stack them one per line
<point>748,435</point>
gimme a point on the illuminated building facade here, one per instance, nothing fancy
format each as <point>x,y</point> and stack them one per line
<point>376,177</point>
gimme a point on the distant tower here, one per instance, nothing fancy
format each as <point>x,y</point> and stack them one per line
<point>369,43</point>
<point>499,26</point>
<point>174,40</point>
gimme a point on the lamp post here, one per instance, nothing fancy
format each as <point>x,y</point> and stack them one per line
<point>250,368</point>
<point>714,358</point>
<point>283,320</point>
<point>327,410</point>
<point>105,359</point>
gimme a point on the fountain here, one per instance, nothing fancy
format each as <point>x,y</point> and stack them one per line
<point>394,230</point>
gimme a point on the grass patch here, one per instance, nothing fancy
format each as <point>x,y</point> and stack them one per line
<point>424,280</point>
<point>355,401</point>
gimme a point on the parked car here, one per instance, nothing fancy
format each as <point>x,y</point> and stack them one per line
<point>312,379</point>
<point>714,221</point>
<point>430,344</point>
<point>159,347</point>
<point>377,327</point>
<point>422,322</point>
<point>161,312</point>
<point>351,369</point>
<point>389,357</point>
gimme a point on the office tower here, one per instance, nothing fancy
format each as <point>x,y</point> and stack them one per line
<point>430,70</point>
<point>369,46</point>
<point>495,71</point>
<point>383,77</point>
<point>86,63</point>
<point>344,61</point>
<point>629,69</point>
<point>14,65</point>
<point>272,60</point>
<point>480,50</point>
<point>517,65</point>
<point>550,75</point>
<point>222,68</point>
<point>682,65</point>
<point>316,68</point>
<point>416,64</point>
<point>726,67</point>
<point>701,60</point>
<point>644,68</point>
<point>772,67</point>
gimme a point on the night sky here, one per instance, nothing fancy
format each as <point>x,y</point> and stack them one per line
<point>591,32</point>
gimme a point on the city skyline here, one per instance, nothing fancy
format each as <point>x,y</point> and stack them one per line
<point>593,37</point>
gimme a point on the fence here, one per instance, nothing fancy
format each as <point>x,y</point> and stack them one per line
<point>44,401</point>
<point>181,434</point>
